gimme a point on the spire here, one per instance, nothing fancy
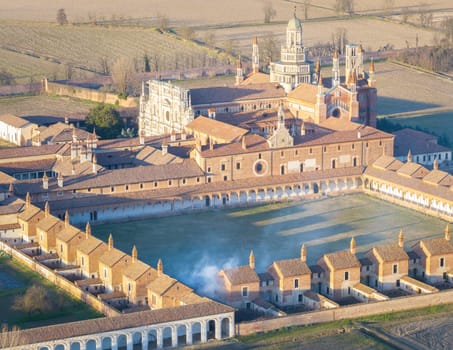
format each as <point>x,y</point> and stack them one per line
<point>335,54</point>
<point>281,116</point>
<point>401,239</point>
<point>239,72</point>
<point>60,179</point>
<point>318,66</point>
<point>447,233</point>
<point>252,260</point>
<point>160,268</point>
<point>352,246</point>
<point>303,253</point>
<point>46,209</point>
<point>87,230</point>
<point>27,200</point>
<point>320,80</point>
<point>255,56</point>
<point>66,219</point>
<point>93,135</point>
<point>110,242</point>
<point>134,254</point>
<point>409,156</point>
<point>372,65</point>
<point>94,163</point>
<point>335,69</point>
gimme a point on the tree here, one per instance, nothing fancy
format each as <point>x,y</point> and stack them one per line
<point>122,74</point>
<point>36,299</point>
<point>104,65</point>
<point>61,17</point>
<point>187,32</point>
<point>162,23</point>
<point>269,48</point>
<point>146,63</point>
<point>209,38</point>
<point>269,12</point>
<point>344,6</point>
<point>307,4</point>
<point>9,337</point>
<point>106,120</point>
<point>339,39</point>
<point>6,78</point>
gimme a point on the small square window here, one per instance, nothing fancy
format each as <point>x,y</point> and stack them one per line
<point>441,262</point>
<point>395,268</point>
<point>346,276</point>
<point>245,291</point>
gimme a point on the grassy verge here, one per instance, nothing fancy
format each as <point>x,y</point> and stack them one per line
<point>71,310</point>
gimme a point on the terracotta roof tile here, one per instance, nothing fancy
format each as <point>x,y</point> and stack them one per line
<point>87,246</point>
<point>438,177</point>
<point>412,170</point>
<point>48,222</point>
<point>305,93</point>
<point>29,213</point>
<point>436,246</point>
<point>254,143</point>
<point>68,233</point>
<point>417,142</point>
<point>23,152</point>
<point>390,252</point>
<point>137,269</point>
<point>112,324</point>
<point>161,284</point>
<point>216,129</point>
<point>241,275</point>
<point>14,120</point>
<point>342,260</point>
<point>111,257</point>
<point>292,267</point>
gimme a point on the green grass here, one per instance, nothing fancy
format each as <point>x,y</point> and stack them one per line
<point>73,309</point>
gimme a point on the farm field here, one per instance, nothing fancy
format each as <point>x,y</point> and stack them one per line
<point>29,49</point>
<point>15,279</point>
<point>192,12</point>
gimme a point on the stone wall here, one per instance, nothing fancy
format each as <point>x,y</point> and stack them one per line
<point>20,89</point>
<point>347,312</point>
<point>60,281</point>
<point>88,94</point>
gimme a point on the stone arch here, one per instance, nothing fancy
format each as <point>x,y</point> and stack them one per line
<point>44,348</point>
<point>181,332</point>
<point>315,188</point>
<point>75,346</point>
<point>137,338</point>
<point>152,339</point>
<point>225,328</point>
<point>210,329</point>
<point>166,337</point>
<point>60,347</point>
<point>106,343</point>
<point>90,344</point>
<point>121,340</point>
<point>336,113</point>
<point>196,332</point>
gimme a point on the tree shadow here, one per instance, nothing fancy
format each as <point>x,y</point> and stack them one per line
<point>390,105</point>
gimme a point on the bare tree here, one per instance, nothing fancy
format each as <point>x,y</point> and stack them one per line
<point>104,65</point>
<point>339,39</point>
<point>269,12</point>
<point>69,71</point>
<point>229,46</point>
<point>388,6</point>
<point>209,38</point>
<point>35,299</point>
<point>344,6</point>
<point>61,17</point>
<point>187,32</point>
<point>9,337</point>
<point>404,15</point>
<point>307,4</point>
<point>6,78</point>
<point>122,73</point>
<point>269,50</point>
<point>163,22</point>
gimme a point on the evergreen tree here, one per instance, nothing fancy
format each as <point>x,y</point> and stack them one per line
<point>106,120</point>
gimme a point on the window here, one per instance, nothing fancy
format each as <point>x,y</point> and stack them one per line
<point>310,151</point>
<point>183,181</point>
<point>112,189</point>
<point>209,169</point>
<point>141,186</point>
<point>259,155</point>
<point>327,290</point>
<point>296,152</point>
<point>82,261</point>
<point>299,298</point>
<point>276,298</point>
<point>154,299</point>
<point>338,147</point>
<point>296,283</point>
<point>352,146</point>
<point>61,248</point>
<point>126,187</point>
<point>209,179</point>
<point>245,291</point>
<point>395,268</point>
<point>223,167</point>
<point>346,276</point>
<point>325,149</point>
<point>129,287</point>
<point>225,178</point>
<point>105,273</point>
<point>238,166</point>
<point>282,154</point>
<point>198,179</point>
<point>441,262</point>
<point>169,182</point>
<point>155,184</point>
<point>59,193</point>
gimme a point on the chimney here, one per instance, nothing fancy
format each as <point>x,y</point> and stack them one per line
<point>164,147</point>
<point>60,180</point>
<point>183,135</point>
<point>11,188</point>
<point>359,135</point>
<point>303,253</point>
<point>211,113</point>
<point>27,200</point>
<point>110,242</point>
<point>173,135</point>
<point>45,181</point>
<point>409,156</point>
<point>87,230</point>
<point>160,268</point>
<point>66,219</point>
<point>244,143</point>
<point>211,144</point>
<point>46,210</point>
<point>352,246</point>
<point>252,260</point>
<point>134,254</point>
<point>142,137</point>
<point>436,164</point>
<point>401,239</point>
<point>95,162</point>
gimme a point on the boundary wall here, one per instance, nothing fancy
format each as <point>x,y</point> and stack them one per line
<point>88,94</point>
<point>59,281</point>
<point>347,312</point>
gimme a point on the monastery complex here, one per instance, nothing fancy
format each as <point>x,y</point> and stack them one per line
<point>289,134</point>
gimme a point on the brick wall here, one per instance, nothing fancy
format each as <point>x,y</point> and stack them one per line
<point>347,312</point>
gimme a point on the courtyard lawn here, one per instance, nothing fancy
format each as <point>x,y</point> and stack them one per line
<point>15,278</point>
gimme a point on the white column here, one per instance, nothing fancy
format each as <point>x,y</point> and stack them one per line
<point>189,333</point>
<point>160,340</point>
<point>231,328</point>
<point>114,340</point>
<point>204,336</point>
<point>98,343</point>
<point>218,329</point>
<point>129,341</point>
<point>145,340</point>
<point>174,336</point>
